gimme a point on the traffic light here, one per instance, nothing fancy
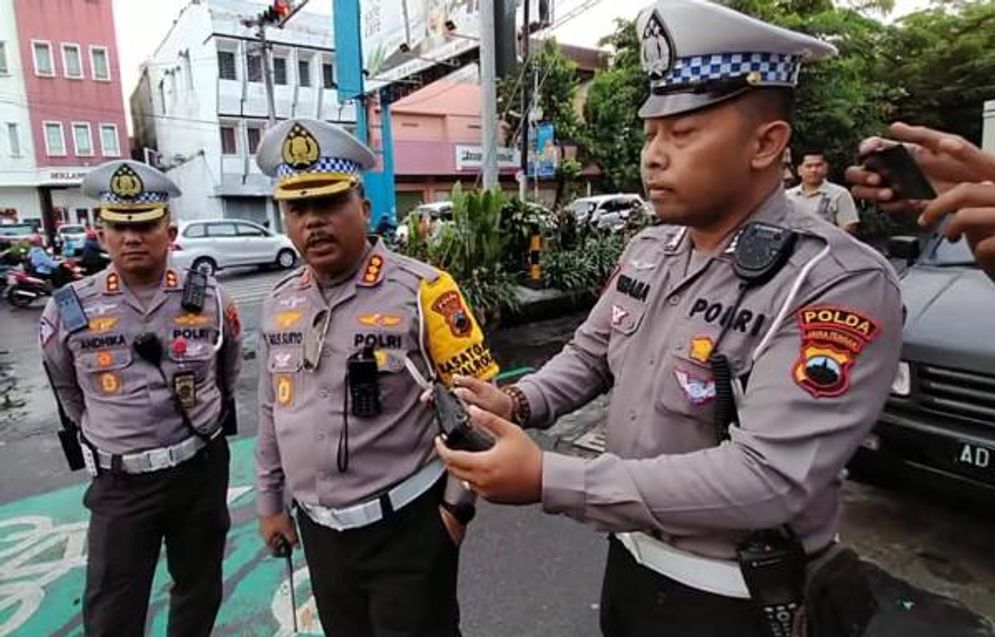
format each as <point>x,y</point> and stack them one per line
<point>280,10</point>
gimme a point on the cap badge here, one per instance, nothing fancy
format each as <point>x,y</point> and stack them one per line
<point>656,50</point>
<point>126,183</point>
<point>300,148</point>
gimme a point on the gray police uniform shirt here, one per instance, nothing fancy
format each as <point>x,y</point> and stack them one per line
<point>830,202</point>
<point>119,400</point>
<point>399,307</point>
<point>810,397</point>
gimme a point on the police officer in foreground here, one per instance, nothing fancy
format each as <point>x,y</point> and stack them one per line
<point>750,347</point>
<point>142,360</point>
<point>341,429</point>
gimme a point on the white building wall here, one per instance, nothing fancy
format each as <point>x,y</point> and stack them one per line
<point>18,170</point>
<point>189,102</point>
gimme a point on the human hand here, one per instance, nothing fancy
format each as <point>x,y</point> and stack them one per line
<point>510,472</point>
<point>973,210</point>
<point>273,527</point>
<point>945,159</point>
<point>484,395</point>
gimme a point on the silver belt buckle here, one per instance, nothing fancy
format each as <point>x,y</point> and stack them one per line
<point>161,458</point>
<point>89,461</point>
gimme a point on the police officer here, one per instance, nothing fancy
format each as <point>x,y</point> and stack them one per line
<point>341,429</point>
<point>142,363</point>
<point>786,323</point>
<point>819,196</point>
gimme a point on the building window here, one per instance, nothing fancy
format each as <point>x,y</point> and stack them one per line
<point>55,142</point>
<point>304,73</point>
<point>226,65</point>
<point>72,64</point>
<point>109,144</point>
<point>254,135</point>
<point>82,141</point>
<point>162,95</point>
<point>280,71</point>
<point>100,63</point>
<point>4,69</point>
<point>228,146</point>
<point>254,67</point>
<point>43,59</point>
<point>327,75</point>
<point>14,139</point>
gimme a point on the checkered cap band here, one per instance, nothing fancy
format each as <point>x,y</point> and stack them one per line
<point>144,197</point>
<point>323,165</point>
<point>775,69</point>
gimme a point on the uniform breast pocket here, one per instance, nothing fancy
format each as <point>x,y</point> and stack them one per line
<point>108,373</point>
<point>285,365</point>
<point>196,358</point>
<point>626,317</point>
<point>687,388</point>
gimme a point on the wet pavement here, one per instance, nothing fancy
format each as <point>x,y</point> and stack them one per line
<point>522,573</point>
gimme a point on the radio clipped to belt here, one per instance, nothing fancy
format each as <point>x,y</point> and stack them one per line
<point>772,561</point>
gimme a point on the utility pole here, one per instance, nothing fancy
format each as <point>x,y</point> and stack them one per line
<point>488,83</point>
<point>267,78</point>
<point>523,187</point>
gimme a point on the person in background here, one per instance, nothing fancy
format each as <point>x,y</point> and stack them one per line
<point>818,196</point>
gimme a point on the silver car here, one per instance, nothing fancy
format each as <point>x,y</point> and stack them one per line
<point>610,212</point>
<point>209,245</point>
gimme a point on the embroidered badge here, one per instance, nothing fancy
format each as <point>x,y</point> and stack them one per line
<point>292,302</point>
<point>172,280</point>
<point>641,265</point>
<point>300,148</point>
<point>832,338</point>
<point>618,314</point>
<point>379,320</point>
<point>286,320</point>
<point>45,332</point>
<point>189,319</point>
<point>701,348</point>
<point>285,390</point>
<point>126,183</point>
<point>110,383</point>
<point>101,324</point>
<point>656,50</point>
<point>699,391</point>
<point>232,320</point>
<point>104,359</point>
<point>98,309</point>
<point>113,283</point>
<point>450,305</point>
<point>373,272</point>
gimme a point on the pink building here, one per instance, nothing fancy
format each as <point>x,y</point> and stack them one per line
<point>71,101</point>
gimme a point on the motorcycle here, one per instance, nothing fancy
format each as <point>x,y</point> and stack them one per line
<point>24,288</point>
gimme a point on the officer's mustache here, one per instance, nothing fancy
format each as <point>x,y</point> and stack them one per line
<point>318,237</point>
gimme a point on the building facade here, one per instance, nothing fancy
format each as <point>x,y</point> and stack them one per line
<point>61,106</point>
<point>200,106</point>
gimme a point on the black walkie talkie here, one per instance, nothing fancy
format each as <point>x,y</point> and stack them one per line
<point>364,386</point>
<point>761,251</point>
<point>194,290</point>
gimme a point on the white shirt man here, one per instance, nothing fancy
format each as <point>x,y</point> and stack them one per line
<point>822,198</point>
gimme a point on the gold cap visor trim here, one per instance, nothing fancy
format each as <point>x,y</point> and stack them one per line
<point>132,214</point>
<point>310,185</point>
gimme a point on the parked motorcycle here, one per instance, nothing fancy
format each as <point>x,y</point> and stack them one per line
<point>24,288</point>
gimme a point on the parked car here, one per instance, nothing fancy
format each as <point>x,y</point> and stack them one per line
<point>12,233</point>
<point>70,238</point>
<point>209,245</point>
<point>939,421</point>
<point>607,211</point>
<point>430,213</point>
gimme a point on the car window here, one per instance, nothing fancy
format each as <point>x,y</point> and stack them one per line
<point>221,230</point>
<point>946,252</point>
<point>194,231</point>
<point>245,230</point>
<point>72,230</point>
<point>17,231</point>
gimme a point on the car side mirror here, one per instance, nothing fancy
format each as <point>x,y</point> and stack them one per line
<point>904,247</point>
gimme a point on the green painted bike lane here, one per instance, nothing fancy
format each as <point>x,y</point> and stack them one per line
<point>43,557</point>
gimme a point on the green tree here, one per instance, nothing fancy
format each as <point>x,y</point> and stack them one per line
<point>613,135</point>
<point>943,60</point>
<point>558,84</point>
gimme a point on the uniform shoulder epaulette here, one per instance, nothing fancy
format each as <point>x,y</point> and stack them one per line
<point>86,287</point>
<point>422,271</point>
<point>293,276</point>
